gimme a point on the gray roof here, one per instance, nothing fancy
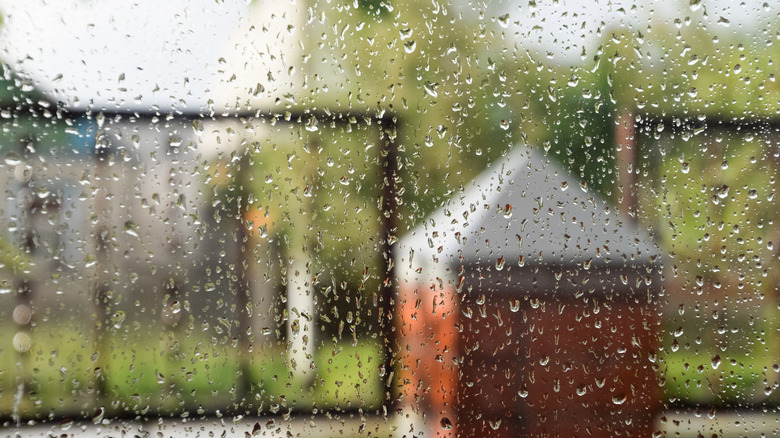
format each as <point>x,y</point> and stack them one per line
<point>523,207</point>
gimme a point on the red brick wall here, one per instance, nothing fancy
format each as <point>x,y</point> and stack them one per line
<point>557,369</point>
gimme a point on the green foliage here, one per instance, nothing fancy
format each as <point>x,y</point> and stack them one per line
<point>374,7</point>
<point>582,136</point>
<point>710,202</point>
<point>16,91</point>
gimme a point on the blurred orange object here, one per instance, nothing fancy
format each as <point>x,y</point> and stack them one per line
<point>429,376</point>
<point>257,222</point>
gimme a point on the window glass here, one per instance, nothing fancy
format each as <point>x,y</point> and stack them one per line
<point>389,218</point>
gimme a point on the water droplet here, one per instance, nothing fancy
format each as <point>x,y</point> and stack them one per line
<point>723,191</point>
<point>504,125</point>
<point>500,263</point>
<point>22,314</point>
<point>445,423</point>
<point>22,342</point>
<point>99,414</point>
<point>716,361</point>
<point>686,167</point>
<point>503,21</point>
<point>430,88</point>
<point>495,424</point>
<point>13,159</point>
<point>131,228</point>
<point>117,318</point>
<point>135,141</point>
<point>66,424</point>
<point>197,125</point>
<point>409,46</point>
<point>311,125</point>
<point>619,399</point>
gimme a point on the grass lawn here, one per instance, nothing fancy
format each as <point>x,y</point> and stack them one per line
<point>174,373</point>
<point>715,379</point>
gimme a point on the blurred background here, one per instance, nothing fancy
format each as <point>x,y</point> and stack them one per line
<point>200,202</point>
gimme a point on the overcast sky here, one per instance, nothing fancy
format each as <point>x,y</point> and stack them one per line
<point>120,53</point>
<point>562,28</point>
<point>85,50</point>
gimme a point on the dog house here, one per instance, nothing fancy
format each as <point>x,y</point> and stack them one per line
<point>528,307</point>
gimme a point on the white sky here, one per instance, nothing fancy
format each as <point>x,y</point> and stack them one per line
<point>562,28</point>
<point>135,54</point>
<point>79,49</point>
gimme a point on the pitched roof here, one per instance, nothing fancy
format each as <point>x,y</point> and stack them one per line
<point>524,206</point>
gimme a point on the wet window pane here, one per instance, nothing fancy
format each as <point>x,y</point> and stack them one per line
<point>388,218</point>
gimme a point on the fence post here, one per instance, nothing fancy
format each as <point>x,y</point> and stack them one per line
<point>389,217</point>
